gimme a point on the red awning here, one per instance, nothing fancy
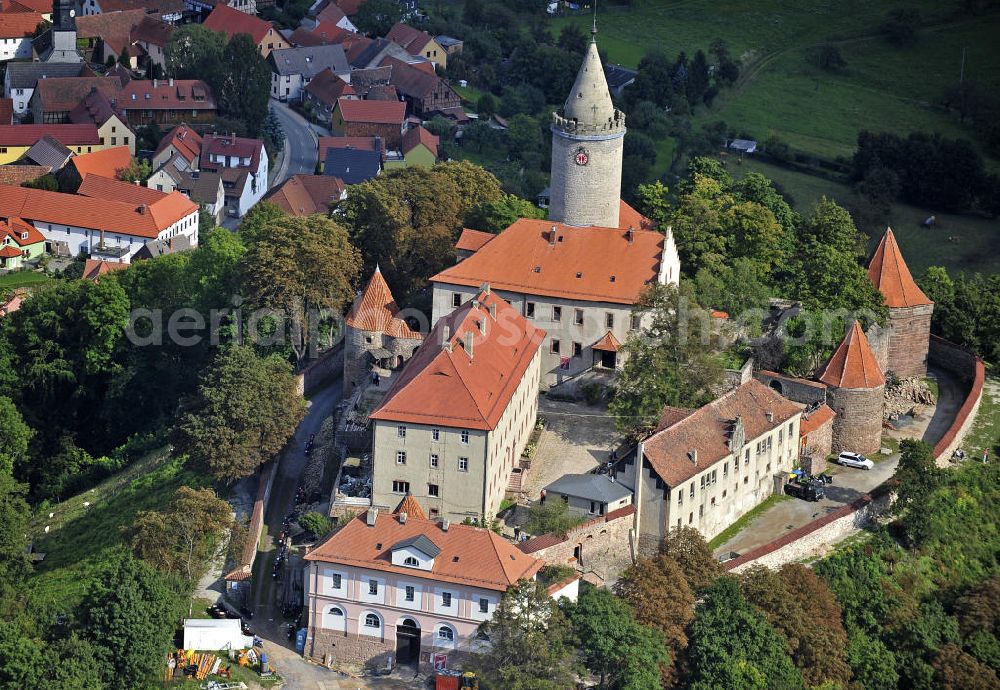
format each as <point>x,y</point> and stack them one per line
<point>609,343</point>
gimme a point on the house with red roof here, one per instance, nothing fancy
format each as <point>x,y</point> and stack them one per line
<point>112,229</point>
<point>304,195</point>
<point>167,101</point>
<point>322,93</point>
<point>108,35</point>
<point>395,584</point>
<point>243,164</point>
<point>111,123</point>
<point>93,269</point>
<point>456,419</point>
<point>385,119</point>
<point>19,242</point>
<point>16,30</point>
<point>419,148</point>
<point>706,468</point>
<point>54,97</point>
<point>149,39</point>
<point>418,43</point>
<point>232,21</point>
<point>578,283</point>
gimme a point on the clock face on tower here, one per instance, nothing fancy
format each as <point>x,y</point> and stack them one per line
<point>581,157</point>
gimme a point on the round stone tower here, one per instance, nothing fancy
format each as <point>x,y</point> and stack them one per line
<point>855,390</point>
<point>587,141</point>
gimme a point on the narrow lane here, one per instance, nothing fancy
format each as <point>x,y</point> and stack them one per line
<point>301,144</point>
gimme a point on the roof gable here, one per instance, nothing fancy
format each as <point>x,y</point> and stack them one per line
<point>374,112</point>
<point>888,272</point>
<point>853,364</point>
<point>105,163</point>
<point>231,22</point>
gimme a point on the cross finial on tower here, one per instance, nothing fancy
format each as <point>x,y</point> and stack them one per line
<point>593,31</point>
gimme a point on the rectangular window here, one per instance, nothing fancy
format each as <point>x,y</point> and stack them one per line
<point>432,490</point>
<point>446,600</point>
<point>781,436</point>
<point>400,457</point>
<point>636,319</point>
<point>691,493</point>
<point>577,350</point>
<point>701,511</point>
<point>725,470</point>
<point>464,436</point>
<point>578,317</point>
<point>400,487</point>
<point>680,498</point>
<point>593,507</point>
<point>484,606</point>
<point>554,346</point>
<point>336,580</point>
<point>373,586</point>
<point>702,487</point>
<point>400,431</point>
<point>556,313</point>
<point>456,299</point>
<point>690,518</point>
<point>609,320</point>
<point>714,476</point>
<point>463,464</point>
<point>435,434</point>
<point>434,460</point>
<point>410,593</point>
<point>790,425</point>
<point>529,310</point>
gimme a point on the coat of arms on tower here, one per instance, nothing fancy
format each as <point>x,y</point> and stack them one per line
<point>581,156</point>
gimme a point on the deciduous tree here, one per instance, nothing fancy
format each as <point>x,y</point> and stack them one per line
<point>688,549</point>
<point>916,476</point>
<point>497,216</point>
<point>14,436</point>
<point>194,52</point>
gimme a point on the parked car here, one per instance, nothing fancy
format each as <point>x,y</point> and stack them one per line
<point>807,491</point>
<point>849,459</point>
<point>728,556</point>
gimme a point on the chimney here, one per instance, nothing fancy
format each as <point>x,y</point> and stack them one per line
<point>445,524</point>
<point>171,81</point>
<point>693,456</point>
<point>552,236</point>
<point>155,81</point>
<point>446,338</point>
<point>468,343</point>
<point>371,516</point>
<point>485,288</point>
<point>630,235</point>
<point>402,518</point>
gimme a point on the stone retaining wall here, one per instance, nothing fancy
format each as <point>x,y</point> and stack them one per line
<point>601,546</point>
<point>970,368</point>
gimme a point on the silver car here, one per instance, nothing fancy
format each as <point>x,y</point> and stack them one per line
<point>849,459</point>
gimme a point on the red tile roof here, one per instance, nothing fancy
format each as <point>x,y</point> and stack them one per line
<point>228,145</point>
<point>114,28</point>
<point>707,430</point>
<point>303,195</point>
<point>18,174</point>
<point>59,94</point>
<point>324,33</point>
<point>152,31</point>
<point>166,94</point>
<point>185,141</point>
<point>95,109</point>
<point>470,556</point>
<point>415,136</point>
<point>375,112</point>
<point>9,252</point>
<point>350,7</point>
<point>231,22</point>
<point>67,135</point>
<point>95,268</point>
<point>99,187</point>
<point>106,163</point>
<point>888,272</point>
<point>96,214</point>
<point>375,310</point>
<point>15,228</point>
<point>19,24</point>
<point>853,364</point>
<point>39,6</point>
<point>608,343</point>
<point>538,257</point>
<point>473,240</point>
<point>628,217</point>
<point>815,419</point>
<point>360,143</point>
<point>412,40</point>
<point>411,507</point>
<point>328,87</point>
<point>331,14</point>
<point>461,383</point>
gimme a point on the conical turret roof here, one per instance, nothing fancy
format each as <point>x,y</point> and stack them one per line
<point>589,102</point>
<point>853,364</point>
<point>888,272</point>
<point>375,310</point>
<point>410,506</point>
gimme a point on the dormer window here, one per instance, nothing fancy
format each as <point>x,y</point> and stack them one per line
<point>411,562</point>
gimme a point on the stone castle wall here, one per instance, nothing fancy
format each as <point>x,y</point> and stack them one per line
<point>858,424</point>
<point>605,545</point>
<point>879,339</point>
<point>909,340</point>
<point>795,389</point>
<point>586,194</point>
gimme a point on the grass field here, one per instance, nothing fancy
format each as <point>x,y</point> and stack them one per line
<point>978,239</point>
<point>80,536</point>
<point>11,281</point>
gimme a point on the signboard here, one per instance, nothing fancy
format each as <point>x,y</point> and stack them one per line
<point>440,662</point>
<point>564,363</point>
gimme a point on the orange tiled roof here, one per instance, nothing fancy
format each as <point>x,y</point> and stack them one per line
<point>375,310</point>
<point>100,187</point>
<point>468,555</point>
<point>411,507</point>
<point>628,217</point>
<point>888,272</point>
<point>185,141</point>
<point>40,6</point>
<point>106,163</point>
<point>815,419</point>
<point>9,252</point>
<point>707,430</point>
<point>95,268</point>
<point>608,343</point>
<point>375,112</point>
<point>231,22</point>
<point>167,94</point>
<point>418,135</point>
<point>67,135</point>
<point>303,195</point>
<point>853,364</point>
<point>461,376</point>
<point>15,227</point>
<point>473,240</point>
<point>593,264</point>
<point>96,214</point>
<point>19,24</point>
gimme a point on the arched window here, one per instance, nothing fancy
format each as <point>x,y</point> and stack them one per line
<point>336,611</point>
<point>334,618</point>
<point>446,634</point>
<point>411,561</point>
<point>372,621</point>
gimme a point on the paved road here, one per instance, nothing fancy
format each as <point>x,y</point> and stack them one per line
<point>301,144</point>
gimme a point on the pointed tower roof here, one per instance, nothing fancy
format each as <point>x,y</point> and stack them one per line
<point>589,102</point>
<point>375,310</point>
<point>853,365</point>
<point>888,272</point>
<point>410,506</point>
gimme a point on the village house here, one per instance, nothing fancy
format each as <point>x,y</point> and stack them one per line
<point>232,21</point>
<point>328,14</point>
<point>106,35</point>
<point>150,37</point>
<point>205,188</point>
<point>425,94</point>
<point>42,7</point>
<point>19,242</point>
<point>16,31</point>
<point>705,468</point>
<point>399,585</point>
<point>351,165</point>
<point>93,269</point>
<point>304,195</point>
<point>323,34</point>
<point>111,125</point>
<point>292,69</point>
<point>366,53</point>
<point>20,79</point>
<point>249,7</point>
<point>55,97</point>
<point>116,229</point>
<point>420,148</point>
<point>589,494</point>
<point>451,45</point>
<point>167,101</point>
<point>171,11</point>
<point>180,141</point>
<point>46,152</point>
<point>384,119</point>
<point>322,93</point>
<point>108,163</point>
<point>417,42</point>
<point>457,418</point>
<point>16,140</point>
<point>243,165</point>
